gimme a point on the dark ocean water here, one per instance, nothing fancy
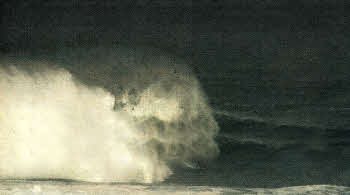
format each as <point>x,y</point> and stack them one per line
<point>273,142</point>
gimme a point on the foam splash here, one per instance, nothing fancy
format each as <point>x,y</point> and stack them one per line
<point>53,126</point>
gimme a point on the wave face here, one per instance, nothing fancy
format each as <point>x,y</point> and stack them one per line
<point>56,121</point>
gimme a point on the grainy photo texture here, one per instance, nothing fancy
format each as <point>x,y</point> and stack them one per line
<point>174,97</point>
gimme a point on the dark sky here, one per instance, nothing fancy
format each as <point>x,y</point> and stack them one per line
<point>275,71</point>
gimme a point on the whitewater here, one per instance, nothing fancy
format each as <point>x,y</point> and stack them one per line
<point>78,188</point>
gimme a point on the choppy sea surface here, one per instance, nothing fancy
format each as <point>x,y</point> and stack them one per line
<point>68,188</point>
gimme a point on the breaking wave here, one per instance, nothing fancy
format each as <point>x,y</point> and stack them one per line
<point>101,119</point>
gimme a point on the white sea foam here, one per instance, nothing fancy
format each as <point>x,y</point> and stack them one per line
<point>54,126</point>
<point>54,188</point>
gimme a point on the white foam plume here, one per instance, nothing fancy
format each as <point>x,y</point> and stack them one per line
<point>53,126</point>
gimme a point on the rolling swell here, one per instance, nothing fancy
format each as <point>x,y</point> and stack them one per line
<point>254,153</point>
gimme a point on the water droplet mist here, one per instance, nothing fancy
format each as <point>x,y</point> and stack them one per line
<point>94,115</point>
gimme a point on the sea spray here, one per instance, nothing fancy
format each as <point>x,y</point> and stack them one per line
<point>59,120</point>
